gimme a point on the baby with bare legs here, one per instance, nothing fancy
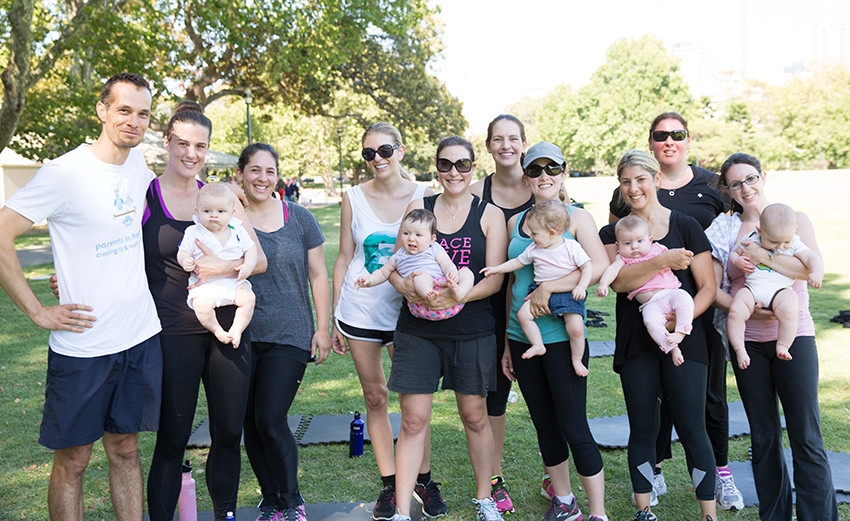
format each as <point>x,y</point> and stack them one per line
<point>423,258</point>
<point>218,230</point>
<point>776,232</point>
<point>660,295</point>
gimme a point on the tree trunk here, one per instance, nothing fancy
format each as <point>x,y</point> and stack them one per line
<point>16,75</point>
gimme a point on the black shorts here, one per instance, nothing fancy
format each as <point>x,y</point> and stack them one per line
<point>466,366</point>
<point>365,335</point>
<point>118,393</point>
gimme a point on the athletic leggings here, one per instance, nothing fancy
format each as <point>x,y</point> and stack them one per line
<point>795,383</point>
<point>186,361</point>
<point>497,399</point>
<point>716,408</point>
<point>270,444</point>
<point>644,376</point>
<point>557,401</point>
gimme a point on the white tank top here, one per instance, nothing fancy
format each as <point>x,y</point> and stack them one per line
<point>376,307</point>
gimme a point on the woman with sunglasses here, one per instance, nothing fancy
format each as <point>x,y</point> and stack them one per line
<point>794,382</point>
<point>691,190</point>
<point>364,319</point>
<point>645,371</point>
<point>556,397</point>
<point>505,189</point>
<point>461,349</point>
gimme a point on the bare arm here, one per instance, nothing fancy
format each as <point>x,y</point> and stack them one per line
<point>261,263</point>
<point>508,266</point>
<point>722,300</point>
<point>609,275</point>
<point>446,265</point>
<point>377,276</point>
<point>703,275</point>
<point>788,265</point>
<point>580,291</point>
<point>13,282</point>
<point>815,265</point>
<point>249,263</point>
<point>636,275</point>
<point>185,259</point>
<point>320,346</point>
<point>343,259</point>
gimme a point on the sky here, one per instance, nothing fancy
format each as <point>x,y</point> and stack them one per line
<point>499,51</point>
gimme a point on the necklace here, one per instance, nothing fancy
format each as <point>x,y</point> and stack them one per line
<point>452,214</point>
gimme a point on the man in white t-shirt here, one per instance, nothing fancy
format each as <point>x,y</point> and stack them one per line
<point>104,374</point>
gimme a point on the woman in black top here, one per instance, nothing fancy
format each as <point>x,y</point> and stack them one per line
<point>461,349</point>
<point>644,369</point>
<point>505,189</point>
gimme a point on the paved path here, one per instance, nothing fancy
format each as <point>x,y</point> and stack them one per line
<point>35,255</point>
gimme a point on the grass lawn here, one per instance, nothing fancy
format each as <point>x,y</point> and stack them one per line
<point>326,472</point>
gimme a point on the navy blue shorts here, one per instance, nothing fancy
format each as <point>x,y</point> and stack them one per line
<point>562,303</point>
<point>118,393</point>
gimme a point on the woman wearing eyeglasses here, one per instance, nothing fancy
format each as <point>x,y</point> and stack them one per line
<point>556,397</point>
<point>645,371</point>
<point>505,189</point>
<point>794,382</point>
<point>462,349</point>
<point>364,319</point>
<point>691,190</point>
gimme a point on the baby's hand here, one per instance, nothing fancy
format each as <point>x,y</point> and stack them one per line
<point>744,264</point>
<point>489,270</point>
<point>815,280</point>
<point>189,264</point>
<point>362,282</point>
<point>601,291</point>
<point>244,271</point>
<point>579,292</point>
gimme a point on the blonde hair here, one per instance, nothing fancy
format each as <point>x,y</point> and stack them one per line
<point>381,127</point>
<point>552,215</point>
<point>639,158</point>
<point>778,219</point>
<point>217,191</point>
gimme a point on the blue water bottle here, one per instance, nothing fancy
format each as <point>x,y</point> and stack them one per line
<point>230,517</point>
<point>355,445</point>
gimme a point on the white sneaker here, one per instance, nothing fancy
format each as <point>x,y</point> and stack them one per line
<point>653,498</point>
<point>727,494</point>
<point>487,510</point>
<point>659,486</point>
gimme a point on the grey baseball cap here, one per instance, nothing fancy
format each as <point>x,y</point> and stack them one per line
<point>543,149</point>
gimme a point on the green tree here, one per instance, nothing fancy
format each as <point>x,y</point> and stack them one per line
<point>612,113</point>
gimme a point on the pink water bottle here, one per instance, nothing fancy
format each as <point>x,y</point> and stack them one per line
<point>187,503</point>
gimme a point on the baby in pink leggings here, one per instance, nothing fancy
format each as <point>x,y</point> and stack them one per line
<point>660,295</point>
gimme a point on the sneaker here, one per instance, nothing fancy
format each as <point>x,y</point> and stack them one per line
<point>400,517</point>
<point>659,485</point>
<point>562,511</point>
<point>645,515</point>
<point>727,494</point>
<point>384,508</point>
<point>298,513</point>
<point>499,490</point>
<point>653,498</point>
<point>270,513</point>
<point>487,510</point>
<point>548,491</point>
<point>429,495</point>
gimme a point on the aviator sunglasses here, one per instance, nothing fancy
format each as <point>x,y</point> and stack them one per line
<point>461,165</point>
<point>660,136</point>
<point>384,151</point>
<point>552,169</point>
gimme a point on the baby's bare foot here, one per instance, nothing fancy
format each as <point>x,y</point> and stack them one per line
<point>235,338</point>
<point>579,368</point>
<point>782,352</point>
<point>676,354</point>
<point>222,336</point>
<point>537,350</point>
<point>675,338</point>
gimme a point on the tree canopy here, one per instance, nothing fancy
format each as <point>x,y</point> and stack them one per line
<point>292,52</point>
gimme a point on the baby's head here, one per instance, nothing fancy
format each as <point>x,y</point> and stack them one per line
<point>215,206</point>
<point>777,226</point>
<point>633,239</point>
<point>547,222</point>
<point>418,230</point>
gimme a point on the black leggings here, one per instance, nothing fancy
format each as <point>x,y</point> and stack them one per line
<point>497,399</point>
<point>644,376</point>
<point>716,408</point>
<point>557,401</point>
<point>186,360</point>
<point>269,442</point>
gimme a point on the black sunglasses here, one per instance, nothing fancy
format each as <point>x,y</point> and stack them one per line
<point>461,165</point>
<point>660,136</point>
<point>552,169</point>
<point>384,151</point>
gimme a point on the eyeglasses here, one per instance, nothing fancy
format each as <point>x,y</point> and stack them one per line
<point>384,151</point>
<point>552,169</point>
<point>749,180</point>
<point>461,165</point>
<point>660,136</point>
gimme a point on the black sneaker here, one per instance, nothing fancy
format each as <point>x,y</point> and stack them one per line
<point>429,495</point>
<point>384,508</point>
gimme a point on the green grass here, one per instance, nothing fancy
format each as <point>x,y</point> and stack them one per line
<point>36,236</point>
<point>326,472</point>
